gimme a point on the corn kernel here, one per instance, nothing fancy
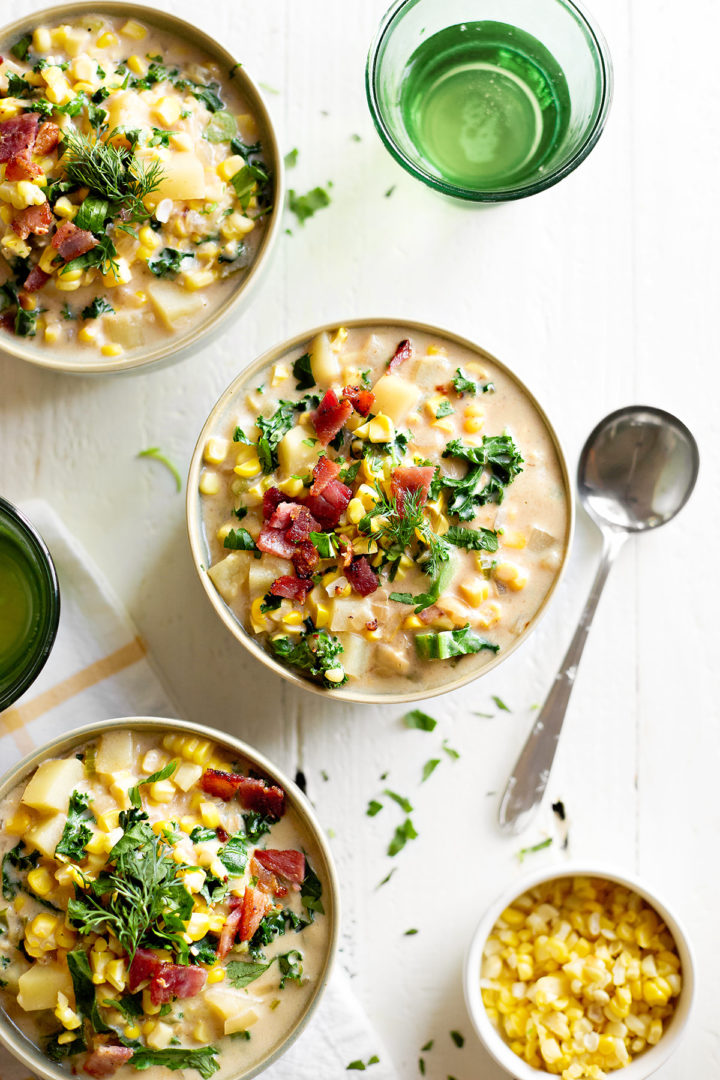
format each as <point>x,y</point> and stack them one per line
<point>19,822</point>
<point>106,40</point>
<point>292,487</point>
<point>40,881</point>
<point>111,349</point>
<point>215,975</point>
<point>133,29</point>
<point>512,575</point>
<point>64,209</point>
<point>162,791</point>
<point>249,468</point>
<point>136,64</point>
<point>355,511</point>
<point>231,165</point>
<point>210,815</point>
<point>88,335</point>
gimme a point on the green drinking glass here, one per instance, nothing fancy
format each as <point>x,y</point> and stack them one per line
<point>29,604</point>
<point>489,100</point>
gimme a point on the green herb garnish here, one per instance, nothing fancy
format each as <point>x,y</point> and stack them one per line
<point>156,453</point>
<point>419,720</point>
<point>533,848</point>
<point>204,1060</point>
<point>403,833</point>
<point>77,832</point>
<point>315,652</point>
<point>98,306</point>
<point>239,540</point>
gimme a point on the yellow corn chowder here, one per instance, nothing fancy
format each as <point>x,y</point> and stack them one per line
<point>580,976</point>
<point>383,509</point>
<point>133,187</point>
<point>160,909</point>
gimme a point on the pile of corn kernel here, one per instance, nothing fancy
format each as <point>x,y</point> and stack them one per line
<point>579,975</point>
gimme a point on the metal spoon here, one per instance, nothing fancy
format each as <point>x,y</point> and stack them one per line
<point>636,471</point>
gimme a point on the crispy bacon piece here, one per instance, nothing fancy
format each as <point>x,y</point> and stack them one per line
<point>361,576</point>
<point>22,167</point>
<point>266,880</point>
<point>302,523</point>
<point>328,507</point>
<point>282,516</point>
<point>273,542</point>
<point>222,835</point>
<point>69,241</point>
<point>255,906</point>
<point>402,353</point>
<point>291,588</point>
<point>176,981</point>
<point>362,400</point>
<point>229,930</point>
<point>7,321</point>
<point>106,1059</point>
<point>429,614</point>
<point>145,964</point>
<point>47,138</point>
<point>305,559</point>
<point>33,219</point>
<point>325,471</point>
<point>35,279</point>
<point>17,135</point>
<point>408,479</point>
<point>271,500</point>
<point>253,793</point>
<point>285,864</point>
<point>330,416</point>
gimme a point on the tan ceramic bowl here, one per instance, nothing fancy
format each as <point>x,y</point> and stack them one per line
<point>170,348</point>
<point>198,544</point>
<point>642,1066</point>
<point>12,1038</point>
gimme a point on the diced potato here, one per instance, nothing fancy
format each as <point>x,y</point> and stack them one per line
<point>241,1022</point>
<point>356,657</point>
<point>263,572</point>
<point>395,397</point>
<point>53,783</point>
<point>350,614</point>
<point>186,775</point>
<point>391,661</point>
<point>324,360</point>
<point>160,1036</point>
<point>184,177</point>
<point>294,453</point>
<point>228,575</point>
<point>174,304</point>
<point>114,752</point>
<point>45,836</point>
<point>38,987</point>
<point>127,109</point>
<point>127,328</point>
<point>232,1008</point>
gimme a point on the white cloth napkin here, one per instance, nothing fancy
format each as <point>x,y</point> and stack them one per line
<point>98,669</point>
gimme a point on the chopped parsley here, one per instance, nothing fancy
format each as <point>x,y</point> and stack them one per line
<point>315,652</point>
<point>458,1039</point>
<point>204,1059</point>
<point>429,768</point>
<point>500,703</point>
<point>77,832</point>
<point>98,306</point>
<point>272,430</point>
<point>239,540</point>
<point>492,466</point>
<point>169,262</point>
<point>472,539</point>
<point>404,804</point>
<point>240,973</point>
<point>374,807</point>
<point>302,370</point>
<point>291,158</point>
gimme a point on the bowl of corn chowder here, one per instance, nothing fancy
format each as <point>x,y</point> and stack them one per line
<point>578,972</point>
<point>379,510</point>
<point>139,184</point>
<point>169,902</point>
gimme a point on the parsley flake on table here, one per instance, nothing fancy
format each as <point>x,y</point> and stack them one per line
<point>458,1039</point>
<point>533,848</point>
<point>374,807</point>
<point>403,833</point>
<point>429,768</point>
<point>156,453</point>
<point>404,804</point>
<point>419,720</point>
<point>306,206</point>
<point>500,704</point>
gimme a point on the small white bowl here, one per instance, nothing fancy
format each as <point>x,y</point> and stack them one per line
<point>644,1064</point>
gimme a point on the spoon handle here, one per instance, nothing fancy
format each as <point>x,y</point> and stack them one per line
<point>526,786</point>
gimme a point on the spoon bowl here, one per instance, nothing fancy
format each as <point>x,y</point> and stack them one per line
<point>637,470</point>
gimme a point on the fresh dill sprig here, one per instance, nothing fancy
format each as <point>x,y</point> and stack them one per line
<point>397,531</point>
<point>111,172</point>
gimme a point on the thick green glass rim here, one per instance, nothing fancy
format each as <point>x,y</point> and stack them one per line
<point>48,576</point>
<point>605,70</point>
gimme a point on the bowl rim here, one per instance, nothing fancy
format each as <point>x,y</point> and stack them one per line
<point>197,544</point>
<point>168,349</point>
<point>49,572</point>
<point>10,1036</point>
<point>640,1067</point>
<point>510,194</point>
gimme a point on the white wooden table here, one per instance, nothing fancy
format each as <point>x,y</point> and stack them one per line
<point>600,292</point>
